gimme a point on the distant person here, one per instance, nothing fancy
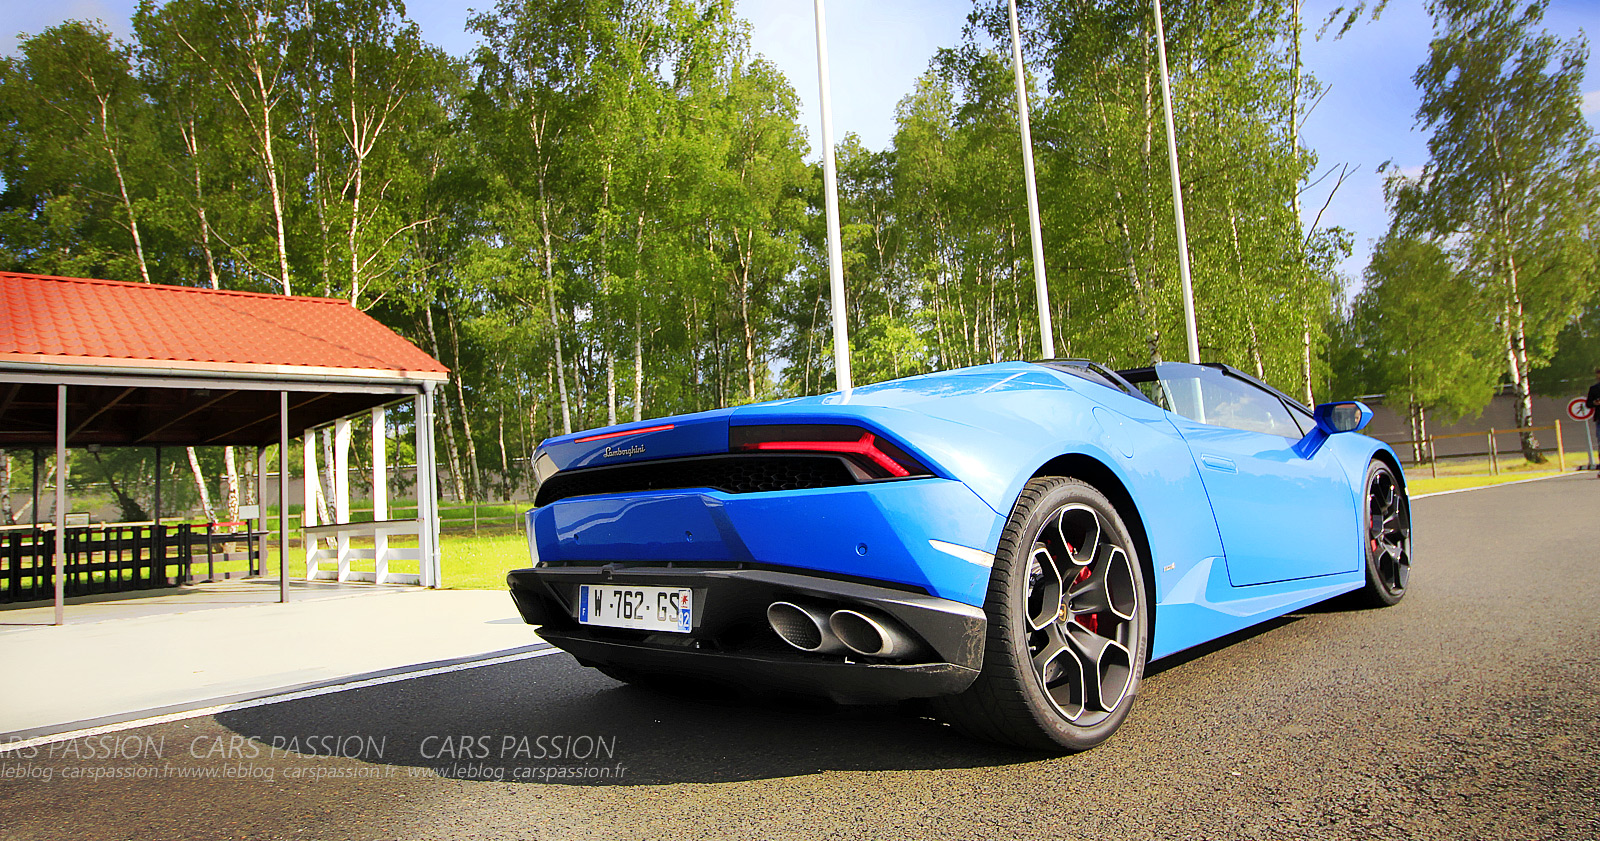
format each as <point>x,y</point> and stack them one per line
<point>1594,403</point>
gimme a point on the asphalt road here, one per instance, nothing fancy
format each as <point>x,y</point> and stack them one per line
<point>1468,711</point>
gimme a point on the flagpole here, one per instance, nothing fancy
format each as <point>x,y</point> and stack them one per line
<point>1047,339</point>
<point>1191,333</point>
<point>830,186</point>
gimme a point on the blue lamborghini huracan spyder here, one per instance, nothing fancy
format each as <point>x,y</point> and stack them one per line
<point>1013,541</point>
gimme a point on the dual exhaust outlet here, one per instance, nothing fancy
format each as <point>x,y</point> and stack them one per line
<point>821,632</point>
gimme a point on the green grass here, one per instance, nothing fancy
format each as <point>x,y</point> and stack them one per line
<point>1425,484</point>
<point>481,563</point>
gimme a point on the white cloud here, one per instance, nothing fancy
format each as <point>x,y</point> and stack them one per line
<point>1591,104</point>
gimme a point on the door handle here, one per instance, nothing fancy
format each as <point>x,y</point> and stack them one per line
<point>1224,465</point>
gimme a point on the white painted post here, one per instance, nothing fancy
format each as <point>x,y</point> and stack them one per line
<point>1047,339</point>
<point>380,494</point>
<point>341,492</point>
<point>1191,332</point>
<point>427,514</point>
<point>308,508</point>
<point>830,188</point>
<point>435,573</point>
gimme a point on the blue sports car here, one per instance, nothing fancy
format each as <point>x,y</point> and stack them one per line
<point>1013,541</point>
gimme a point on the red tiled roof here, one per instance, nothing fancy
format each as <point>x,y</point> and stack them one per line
<point>109,323</point>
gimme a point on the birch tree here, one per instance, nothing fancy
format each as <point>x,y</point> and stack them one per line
<point>1510,180</point>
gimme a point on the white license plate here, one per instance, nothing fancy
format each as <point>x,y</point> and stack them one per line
<point>641,608</point>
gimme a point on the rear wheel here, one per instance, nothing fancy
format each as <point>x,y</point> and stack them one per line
<point>1067,634</point>
<point>1388,537</point>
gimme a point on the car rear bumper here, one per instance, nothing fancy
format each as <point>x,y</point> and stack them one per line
<point>730,640</point>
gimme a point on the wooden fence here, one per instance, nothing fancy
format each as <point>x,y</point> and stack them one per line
<point>118,557</point>
<point>1491,445</point>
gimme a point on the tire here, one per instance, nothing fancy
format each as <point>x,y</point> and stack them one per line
<point>1067,632</point>
<point>1387,537</point>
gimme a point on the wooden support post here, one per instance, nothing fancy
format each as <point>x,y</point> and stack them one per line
<point>427,490</point>
<point>1561,451</point>
<point>1494,460</point>
<point>308,507</point>
<point>1433,458</point>
<point>341,493</point>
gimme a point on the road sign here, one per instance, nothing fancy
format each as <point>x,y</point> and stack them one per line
<point>1578,409</point>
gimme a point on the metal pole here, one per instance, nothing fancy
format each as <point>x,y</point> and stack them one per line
<point>830,188</point>
<point>1191,332</point>
<point>61,504</point>
<point>1588,438</point>
<point>1047,339</point>
<point>283,497</point>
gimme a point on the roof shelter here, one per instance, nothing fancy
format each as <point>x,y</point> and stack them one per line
<point>96,362</point>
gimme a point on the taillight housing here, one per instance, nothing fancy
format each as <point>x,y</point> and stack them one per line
<point>871,456</point>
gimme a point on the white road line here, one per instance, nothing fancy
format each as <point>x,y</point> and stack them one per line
<point>270,699</point>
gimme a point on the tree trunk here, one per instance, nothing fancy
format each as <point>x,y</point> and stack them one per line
<point>746,259</point>
<point>122,185</point>
<point>505,463</point>
<point>444,406</point>
<point>611,389</point>
<point>457,484</point>
<point>232,483</point>
<point>200,485</point>
<point>9,516</point>
<point>191,142</point>
<point>555,320</point>
<point>638,364</point>
<point>461,403</point>
<point>1517,350</point>
<point>328,488</point>
<point>1305,361</point>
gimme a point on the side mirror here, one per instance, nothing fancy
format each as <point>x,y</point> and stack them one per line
<point>1345,416</point>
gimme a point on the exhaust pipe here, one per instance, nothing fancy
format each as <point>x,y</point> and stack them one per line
<point>804,628</point>
<point>870,636</point>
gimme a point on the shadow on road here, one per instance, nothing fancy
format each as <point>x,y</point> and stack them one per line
<point>550,720</point>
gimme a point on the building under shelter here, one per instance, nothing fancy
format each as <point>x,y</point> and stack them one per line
<point>96,363</point>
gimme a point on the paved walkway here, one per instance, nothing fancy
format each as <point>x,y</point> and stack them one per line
<point>132,655</point>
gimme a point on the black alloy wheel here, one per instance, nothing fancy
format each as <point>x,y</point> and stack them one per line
<point>1068,634</point>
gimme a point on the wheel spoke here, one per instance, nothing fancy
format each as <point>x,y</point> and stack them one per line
<point>1107,667</point>
<point>1060,673</point>
<point>1045,588</point>
<point>1109,586</point>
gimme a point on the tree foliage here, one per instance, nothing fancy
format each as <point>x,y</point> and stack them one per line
<point>607,211</point>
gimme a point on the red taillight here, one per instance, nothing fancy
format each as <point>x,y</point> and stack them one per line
<point>879,457</point>
<point>867,446</point>
<point>605,435</point>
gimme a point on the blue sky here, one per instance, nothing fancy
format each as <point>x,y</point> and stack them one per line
<point>878,47</point>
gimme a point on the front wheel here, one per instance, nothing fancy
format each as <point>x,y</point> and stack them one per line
<point>1387,537</point>
<point>1067,632</point>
